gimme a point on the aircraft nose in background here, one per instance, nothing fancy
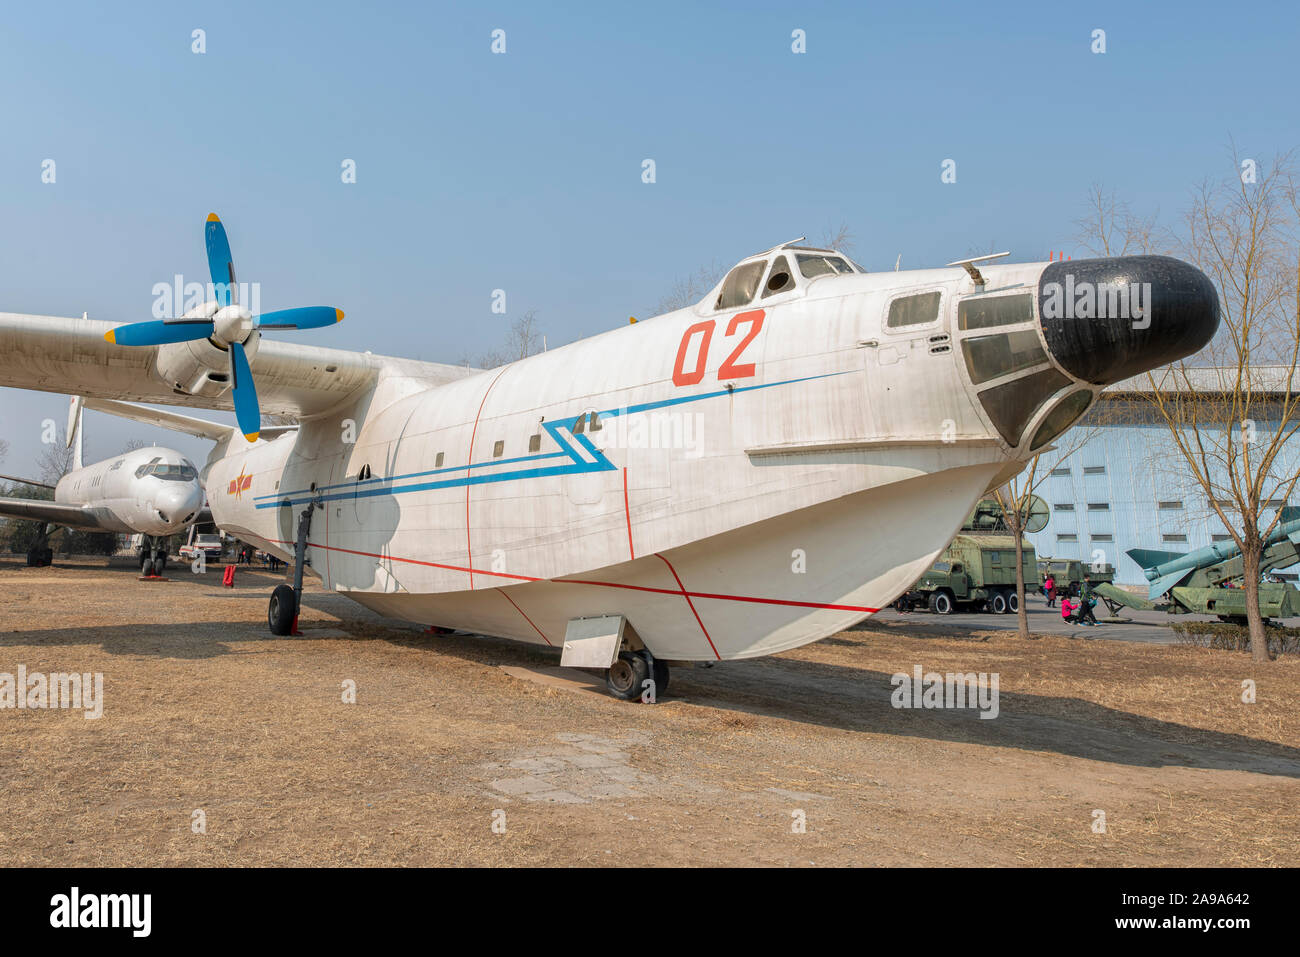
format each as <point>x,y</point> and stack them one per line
<point>180,503</point>
<point>1108,319</point>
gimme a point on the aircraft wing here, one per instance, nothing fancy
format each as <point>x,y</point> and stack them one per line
<point>54,354</point>
<point>68,516</point>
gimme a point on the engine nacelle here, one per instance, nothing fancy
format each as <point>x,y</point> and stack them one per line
<point>199,367</point>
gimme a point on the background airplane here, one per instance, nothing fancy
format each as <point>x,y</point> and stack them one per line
<point>842,426</point>
<point>150,491</point>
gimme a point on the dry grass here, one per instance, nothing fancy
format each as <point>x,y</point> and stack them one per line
<point>204,711</point>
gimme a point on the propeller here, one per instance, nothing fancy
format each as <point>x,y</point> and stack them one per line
<point>228,324</point>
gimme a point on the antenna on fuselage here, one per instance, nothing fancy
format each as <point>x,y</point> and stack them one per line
<point>969,265</point>
<point>898,262</point>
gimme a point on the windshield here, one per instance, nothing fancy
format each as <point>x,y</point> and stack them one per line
<point>168,473</point>
<point>822,264</point>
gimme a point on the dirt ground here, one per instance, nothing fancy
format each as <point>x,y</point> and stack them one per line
<point>204,712</point>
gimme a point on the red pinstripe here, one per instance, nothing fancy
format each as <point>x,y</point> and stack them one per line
<point>526,618</point>
<point>692,605</point>
<point>581,581</point>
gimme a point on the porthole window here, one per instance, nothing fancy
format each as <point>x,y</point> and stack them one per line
<point>535,442</point>
<point>779,279</point>
<point>498,449</point>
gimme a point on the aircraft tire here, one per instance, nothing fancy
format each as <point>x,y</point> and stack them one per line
<point>279,611</point>
<point>146,564</point>
<point>660,673</point>
<point>159,561</point>
<point>624,679</point>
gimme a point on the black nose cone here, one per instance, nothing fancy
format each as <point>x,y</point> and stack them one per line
<point>1109,319</point>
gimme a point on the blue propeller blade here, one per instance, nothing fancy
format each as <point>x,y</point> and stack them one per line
<point>247,412</point>
<point>304,317</point>
<point>221,265</point>
<point>159,332</point>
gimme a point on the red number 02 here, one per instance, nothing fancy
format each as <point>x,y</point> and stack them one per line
<point>729,369</point>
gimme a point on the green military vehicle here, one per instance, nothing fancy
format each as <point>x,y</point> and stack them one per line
<point>975,573</point>
<point>1070,573</point>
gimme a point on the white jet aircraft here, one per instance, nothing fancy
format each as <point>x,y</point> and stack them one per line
<point>729,480</point>
<point>151,491</point>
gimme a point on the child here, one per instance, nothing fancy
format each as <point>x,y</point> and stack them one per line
<point>1067,610</point>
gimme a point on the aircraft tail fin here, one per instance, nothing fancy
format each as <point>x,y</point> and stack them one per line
<point>1162,585</point>
<point>1151,557</point>
<point>75,442</point>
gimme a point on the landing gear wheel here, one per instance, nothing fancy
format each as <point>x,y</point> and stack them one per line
<point>998,604</point>
<point>1013,603</point>
<point>625,676</point>
<point>39,557</point>
<point>159,561</point>
<point>940,603</point>
<point>280,611</point>
<point>146,564</point>
<point>660,674</point>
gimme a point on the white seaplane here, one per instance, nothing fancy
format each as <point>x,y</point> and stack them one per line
<point>153,492</point>
<point>828,431</point>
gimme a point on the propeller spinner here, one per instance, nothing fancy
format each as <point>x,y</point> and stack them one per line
<point>227,324</point>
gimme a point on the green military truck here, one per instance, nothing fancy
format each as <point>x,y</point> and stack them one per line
<point>974,573</point>
<point>1070,573</point>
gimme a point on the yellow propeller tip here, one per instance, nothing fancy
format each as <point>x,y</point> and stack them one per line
<point>213,218</point>
<point>253,437</point>
<point>338,315</point>
<point>110,337</point>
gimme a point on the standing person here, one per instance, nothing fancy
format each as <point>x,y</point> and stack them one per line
<point>1051,592</point>
<point>1048,583</point>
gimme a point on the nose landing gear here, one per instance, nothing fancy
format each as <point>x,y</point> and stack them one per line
<point>152,557</point>
<point>282,611</point>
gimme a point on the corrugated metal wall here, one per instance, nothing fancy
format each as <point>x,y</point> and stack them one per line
<point>1128,487</point>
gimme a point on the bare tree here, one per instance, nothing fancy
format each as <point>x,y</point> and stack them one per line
<point>1112,228</point>
<point>1017,495</point>
<point>1231,416</point>
<point>54,461</point>
<point>522,340</point>
<point>690,290</point>
<point>839,238</point>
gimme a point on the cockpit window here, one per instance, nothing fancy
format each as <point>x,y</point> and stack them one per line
<point>822,264</point>
<point>168,473</point>
<point>988,357</point>
<point>913,310</point>
<point>779,279</point>
<point>981,313</point>
<point>143,470</point>
<point>1012,404</point>
<point>741,284</point>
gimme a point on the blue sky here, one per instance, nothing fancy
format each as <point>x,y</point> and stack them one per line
<point>522,171</point>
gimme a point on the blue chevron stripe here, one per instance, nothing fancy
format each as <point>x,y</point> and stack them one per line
<point>576,464</point>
